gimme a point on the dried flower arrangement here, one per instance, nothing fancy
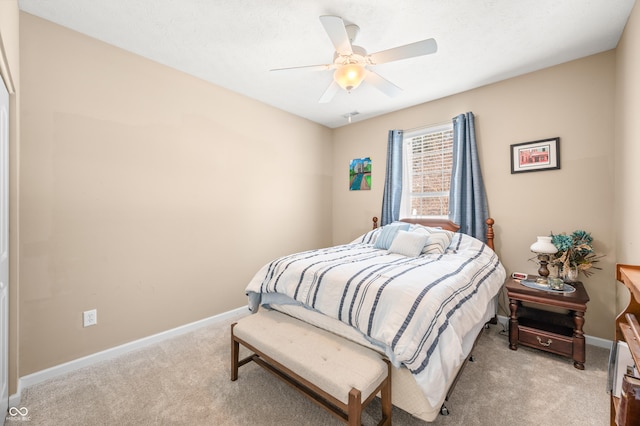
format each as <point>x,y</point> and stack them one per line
<point>574,251</point>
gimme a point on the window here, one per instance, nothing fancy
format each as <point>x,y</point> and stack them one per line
<point>428,161</point>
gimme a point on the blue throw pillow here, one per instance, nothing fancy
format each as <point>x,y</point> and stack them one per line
<point>388,233</point>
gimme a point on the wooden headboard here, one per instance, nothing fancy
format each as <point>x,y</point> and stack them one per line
<point>446,224</point>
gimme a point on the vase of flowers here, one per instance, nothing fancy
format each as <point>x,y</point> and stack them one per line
<point>572,274</point>
<point>575,254</point>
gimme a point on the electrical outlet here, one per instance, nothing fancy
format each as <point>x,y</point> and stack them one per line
<point>89,318</point>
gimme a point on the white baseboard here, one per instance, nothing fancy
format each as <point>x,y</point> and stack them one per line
<point>589,340</point>
<point>58,370</point>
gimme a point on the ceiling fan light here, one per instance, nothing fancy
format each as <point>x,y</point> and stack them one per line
<point>349,76</point>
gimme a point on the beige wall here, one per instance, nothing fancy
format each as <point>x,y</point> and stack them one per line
<point>573,101</point>
<point>627,149</point>
<point>627,176</point>
<point>10,71</point>
<point>149,194</point>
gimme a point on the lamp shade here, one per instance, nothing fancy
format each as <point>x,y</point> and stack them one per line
<point>544,246</point>
<point>349,76</point>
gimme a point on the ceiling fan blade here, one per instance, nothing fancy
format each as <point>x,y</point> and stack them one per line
<point>419,48</point>
<point>335,28</point>
<point>382,84</point>
<point>323,67</point>
<point>329,93</point>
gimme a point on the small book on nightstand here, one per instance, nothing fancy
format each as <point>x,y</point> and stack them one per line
<point>629,409</point>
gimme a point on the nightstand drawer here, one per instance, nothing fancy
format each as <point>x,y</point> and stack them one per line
<point>550,342</point>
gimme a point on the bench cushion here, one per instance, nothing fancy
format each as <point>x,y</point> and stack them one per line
<point>328,361</point>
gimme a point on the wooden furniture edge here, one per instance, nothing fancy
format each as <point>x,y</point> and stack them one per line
<point>527,294</point>
<point>448,225</point>
<point>627,328</point>
<point>629,275</point>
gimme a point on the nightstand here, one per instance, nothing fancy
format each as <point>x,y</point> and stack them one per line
<point>558,329</point>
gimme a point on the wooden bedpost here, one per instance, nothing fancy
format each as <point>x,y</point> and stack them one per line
<point>490,223</point>
<point>375,222</point>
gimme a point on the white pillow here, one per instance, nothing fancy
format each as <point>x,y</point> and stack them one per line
<point>408,244</point>
<point>439,239</point>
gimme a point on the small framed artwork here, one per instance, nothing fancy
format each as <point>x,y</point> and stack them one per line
<point>534,156</point>
<point>360,174</point>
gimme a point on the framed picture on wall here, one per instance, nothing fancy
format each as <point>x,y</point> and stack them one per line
<point>535,156</point>
<point>360,174</point>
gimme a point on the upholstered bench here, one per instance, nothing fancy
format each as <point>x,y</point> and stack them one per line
<point>336,373</point>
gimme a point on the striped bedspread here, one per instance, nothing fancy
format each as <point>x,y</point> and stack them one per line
<point>417,310</point>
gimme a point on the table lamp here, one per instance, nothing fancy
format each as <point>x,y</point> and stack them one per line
<point>543,247</point>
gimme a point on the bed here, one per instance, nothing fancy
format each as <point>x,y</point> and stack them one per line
<point>416,291</point>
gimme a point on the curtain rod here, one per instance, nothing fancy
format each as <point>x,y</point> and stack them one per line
<point>426,126</point>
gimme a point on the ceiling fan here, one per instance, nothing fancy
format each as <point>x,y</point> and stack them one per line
<point>351,63</point>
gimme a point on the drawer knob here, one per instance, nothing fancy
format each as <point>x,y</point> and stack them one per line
<point>549,341</point>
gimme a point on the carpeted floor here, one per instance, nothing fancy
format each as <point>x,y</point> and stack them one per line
<point>185,381</point>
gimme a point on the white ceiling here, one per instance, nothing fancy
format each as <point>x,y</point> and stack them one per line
<point>234,43</point>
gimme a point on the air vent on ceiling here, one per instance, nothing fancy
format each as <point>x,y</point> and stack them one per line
<point>350,114</point>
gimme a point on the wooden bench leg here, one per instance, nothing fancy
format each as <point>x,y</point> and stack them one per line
<point>355,408</point>
<point>235,350</point>
<point>385,398</point>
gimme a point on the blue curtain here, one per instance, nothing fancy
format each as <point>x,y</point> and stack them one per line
<point>467,197</point>
<point>393,179</point>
